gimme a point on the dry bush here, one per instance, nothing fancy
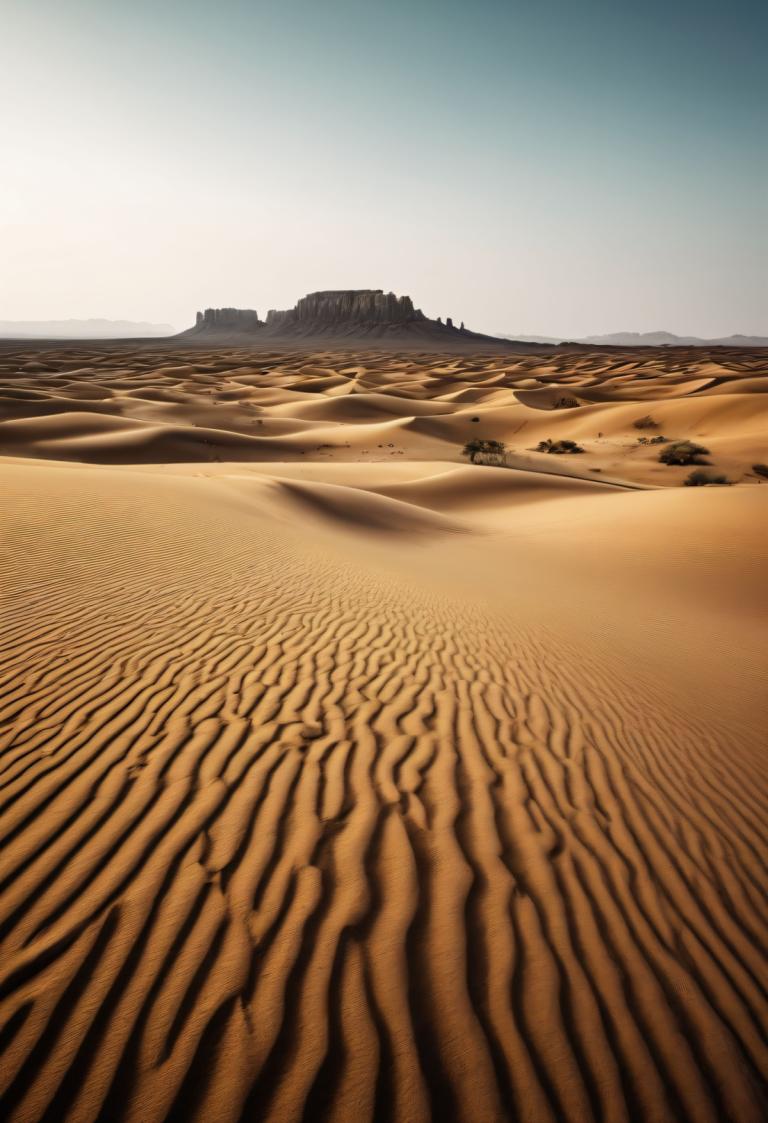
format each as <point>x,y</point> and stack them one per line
<point>683,453</point>
<point>704,479</point>
<point>558,447</point>
<point>476,448</point>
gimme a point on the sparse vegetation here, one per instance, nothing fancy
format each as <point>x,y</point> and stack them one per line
<point>659,440</point>
<point>761,470</point>
<point>476,448</point>
<point>646,422</point>
<point>683,453</point>
<point>558,447</point>
<point>704,479</point>
<point>566,402</point>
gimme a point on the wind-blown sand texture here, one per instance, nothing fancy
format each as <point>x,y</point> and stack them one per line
<point>343,780</point>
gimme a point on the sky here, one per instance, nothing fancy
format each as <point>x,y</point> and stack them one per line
<point>555,167</point>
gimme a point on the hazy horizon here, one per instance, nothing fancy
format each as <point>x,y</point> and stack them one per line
<point>108,328</point>
<point>566,170</point>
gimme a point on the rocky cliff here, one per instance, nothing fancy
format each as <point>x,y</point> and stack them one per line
<point>342,316</point>
<point>226,320</point>
<point>343,306</point>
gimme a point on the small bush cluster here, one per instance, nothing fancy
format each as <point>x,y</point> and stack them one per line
<point>761,470</point>
<point>683,453</point>
<point>476,448</point>
<point>558,447</point>
<point>704,479</point>
<point>566,402</point>
<point>646,422</point>
<point>653,440</point>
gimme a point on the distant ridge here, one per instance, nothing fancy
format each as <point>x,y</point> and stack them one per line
<point>82,329</point>
<point>667,339</point>
<point>339,315</point>
<point>645,339</point>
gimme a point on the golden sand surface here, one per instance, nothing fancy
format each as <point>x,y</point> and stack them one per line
<point>341,779</point>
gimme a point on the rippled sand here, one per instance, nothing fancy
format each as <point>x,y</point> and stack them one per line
<point>343,780</point>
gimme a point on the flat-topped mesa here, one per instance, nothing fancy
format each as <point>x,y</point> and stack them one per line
<point>359,305</point>
<point>340,316</point>
<point>228,319</point>
<point>345,306</point>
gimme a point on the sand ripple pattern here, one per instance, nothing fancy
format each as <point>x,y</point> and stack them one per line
<point>286,838</point>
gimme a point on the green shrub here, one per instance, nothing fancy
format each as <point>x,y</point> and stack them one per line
<point>704,479</point>
<point>683,452</point>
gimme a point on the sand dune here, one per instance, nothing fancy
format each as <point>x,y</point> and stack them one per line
<point>194,405</point>
<point>343,780</point>
<point>364,510</point>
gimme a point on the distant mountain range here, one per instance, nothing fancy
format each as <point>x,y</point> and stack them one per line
<point>646,339</point>
<point>81,329</point>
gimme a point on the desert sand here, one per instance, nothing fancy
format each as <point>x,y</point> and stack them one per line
<point>342,779</point>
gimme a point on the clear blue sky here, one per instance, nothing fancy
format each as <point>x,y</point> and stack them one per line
<point>538,166</point>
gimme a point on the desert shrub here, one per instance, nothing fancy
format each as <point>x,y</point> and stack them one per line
<point>566,402</point>
<point>761,470</point>
<point>558,447</point>
<point>475,448</point>
<point>703,479</point>
<point>683,452</point>
<point>646,422</point>
<point>653,440</point>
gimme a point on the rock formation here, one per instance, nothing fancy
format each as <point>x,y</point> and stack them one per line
<point>229,320</point>
<point>339,316</point>
<point>348,306</point>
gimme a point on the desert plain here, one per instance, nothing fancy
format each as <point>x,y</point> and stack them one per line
<point>344,779</point>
